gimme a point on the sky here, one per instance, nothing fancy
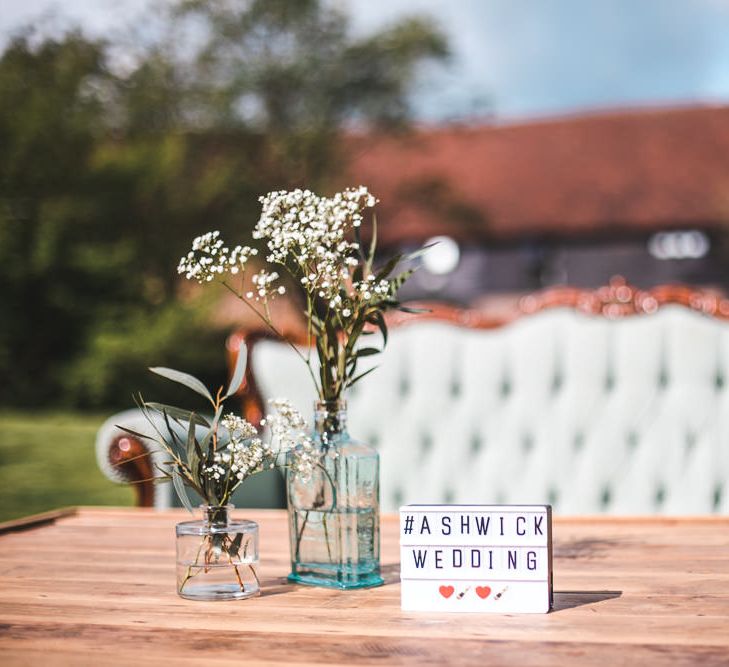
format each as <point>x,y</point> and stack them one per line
<point>517,58</point>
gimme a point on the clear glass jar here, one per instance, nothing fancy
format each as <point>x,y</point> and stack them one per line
<point>217,556</point>
<point>334,516</point>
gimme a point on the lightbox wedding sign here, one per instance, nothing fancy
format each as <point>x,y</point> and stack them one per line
<point>476,558</point>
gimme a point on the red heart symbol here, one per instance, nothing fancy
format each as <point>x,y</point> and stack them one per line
<point>483,591</point>
<point>446,591</point>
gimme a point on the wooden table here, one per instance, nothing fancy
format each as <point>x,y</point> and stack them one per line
<point>96,586</point>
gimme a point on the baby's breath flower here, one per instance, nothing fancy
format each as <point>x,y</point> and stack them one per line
<point>238,427</point>
<point>210,258</point>
<point>299,226</point>
<point>371,286</point>
<point>265,287</point>
<point>245,453</point>
<point>315,240</point>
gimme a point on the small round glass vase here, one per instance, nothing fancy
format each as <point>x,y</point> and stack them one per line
<point>217,556</point>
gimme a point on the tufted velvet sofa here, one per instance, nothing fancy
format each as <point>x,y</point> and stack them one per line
<point>613,401</point>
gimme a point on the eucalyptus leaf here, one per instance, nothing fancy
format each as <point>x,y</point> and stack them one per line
<point>176,442</point>
<point>387,269</point>
<point>180,490</point>
<point>398,281</point>
<point>160,440</point>
<point>360,376</point>
<point>367,351</point>
<point>178,413</point>
<point>192,446</point>
<point>150,419</point>
<point>357,328</point>
<point>133,458</point>
<point>137,434</point>
<point>378,320</point>
<point>240,369</point>
<point>413,311</point>
<point>419,252</point>
<point>205,444</point>
<point>189,381</point>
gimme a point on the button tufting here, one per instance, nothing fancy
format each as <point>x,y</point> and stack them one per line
<point>717,497</point>
<point>663,379</point>
<point>632,439</point>
<point>570,402</point>
<point>505,387</point>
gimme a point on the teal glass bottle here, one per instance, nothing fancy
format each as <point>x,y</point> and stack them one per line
<point>334,515</point>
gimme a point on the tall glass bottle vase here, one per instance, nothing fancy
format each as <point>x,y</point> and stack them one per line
<point>334,515</point>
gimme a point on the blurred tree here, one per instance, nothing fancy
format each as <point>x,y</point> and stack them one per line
<point>57,261</point>
<point>292,72</point>
<point>106,176</point>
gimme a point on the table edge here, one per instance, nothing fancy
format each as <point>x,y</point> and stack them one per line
<point>49,517</point>
<point>36,520</point>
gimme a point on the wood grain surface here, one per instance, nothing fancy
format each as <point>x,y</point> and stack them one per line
<point>97,587</point>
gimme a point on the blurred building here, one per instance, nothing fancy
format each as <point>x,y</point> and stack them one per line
<point>570,200</point>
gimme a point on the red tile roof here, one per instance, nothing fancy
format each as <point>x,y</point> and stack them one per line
<point>607,173</point>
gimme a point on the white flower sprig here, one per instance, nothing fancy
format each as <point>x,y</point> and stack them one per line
<point>214,456</point>
<point>290,431</point>
<point>315,240</point>
<point>210,258</point>
<point>311,232</point>
<point>245,453</point>
<point>296,225</point>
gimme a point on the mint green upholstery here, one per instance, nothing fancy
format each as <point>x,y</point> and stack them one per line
<point>627,416</point>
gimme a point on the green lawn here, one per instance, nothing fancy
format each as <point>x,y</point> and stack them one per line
<point>47,461</point>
